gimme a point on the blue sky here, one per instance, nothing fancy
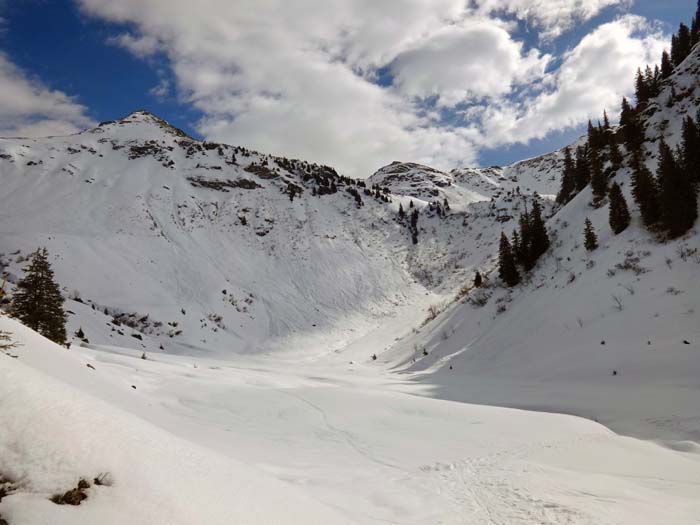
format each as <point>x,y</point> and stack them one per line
<point>72,47</point>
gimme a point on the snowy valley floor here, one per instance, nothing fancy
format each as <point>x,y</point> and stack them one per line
<point>264,440</point>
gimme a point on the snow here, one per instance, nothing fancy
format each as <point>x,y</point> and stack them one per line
<point>274,441</point>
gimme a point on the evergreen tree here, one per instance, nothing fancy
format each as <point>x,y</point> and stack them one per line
<point>691,149</point>
<point>619,217</point>
<point>507,270</point>
<point>631,127</point>
<point>641,89</point>
<point>615,154</point>
<point>519,249</point>
<point>680,45</point>
<point>521,243</point>
<point>37,300</point>
<point>538,239</point>
<point>606,120</point>
<point>666,65</point>
<point>695,28</point>
<point>590,240</point>
<point>599,182</point>
<point>677,196</point>
<point>414,225</point>
<point>582,173</point>
<point>645,191</point>
<point>402,213</point>
<point>478,280</point>
<point>568,179</point>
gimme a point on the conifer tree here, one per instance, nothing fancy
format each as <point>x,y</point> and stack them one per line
<point>539,240</point>
<point>582,173</point>
<point>606,120</point>
<point>641,89</point>
<point>631,127</point>
<point>522,243</point>
<point>666,65</point>
<point>507,270</point>
<point>478,280</point>
<point>37,300</point>
<point>619,215</point>
<point>519,249</point>
<point>645,191</point>
<point>414,226</point>
<point>615,154</point>
<point>680,45</point>
<point>599,182</point>
<point>691,149</point>
<point>695,27</point>
<point>677,196</point>
<point>402,213</point>
<point>590,240</point>
<point>568,179</point>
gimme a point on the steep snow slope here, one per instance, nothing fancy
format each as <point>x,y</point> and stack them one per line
<point>175,245</point>
<point>613,334</point>
<point>203,239</point>
<point>276,441</point>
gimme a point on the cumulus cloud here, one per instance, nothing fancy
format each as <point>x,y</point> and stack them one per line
<point>592,77</point>
<point>141,46</point>
<point>457,63</point>
<point>28,108</point>
<point>553,17</point>
<point>359,83</point>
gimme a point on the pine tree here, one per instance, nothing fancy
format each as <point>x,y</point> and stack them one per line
<point>599,182</point>
<point>590,240</point>
<point>519,249</point>
<point>619,218</point>
<point>582,171</point>
<point>680,45</point>
<point>414,225</point>
<point>539,240</point>
<point>691,149</point>
<point>37,300</point>
<point>402,213</point>
<point>478,280</point>
<point>645,191</point>
<point>521,243</point>
<point>695,28</point>
<point>507,270</point>
<point>641,89</point>
<point>631,127</point>
<point>615,154</point>
<point>677,196</point>
<point>666,65</point>
<point>606,120</point>
<point>568,180</point>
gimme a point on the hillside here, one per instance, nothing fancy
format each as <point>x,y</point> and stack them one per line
<point>171,244</point>
<point>611,335</point>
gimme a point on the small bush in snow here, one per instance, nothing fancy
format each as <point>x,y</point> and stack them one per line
<point>479,298</point>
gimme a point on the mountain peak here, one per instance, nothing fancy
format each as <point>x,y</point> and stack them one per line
<point>143,117</point>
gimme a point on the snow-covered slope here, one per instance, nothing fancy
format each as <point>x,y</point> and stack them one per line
<point>202,238</point>
<point>278,441</point>
<point>612,334</point>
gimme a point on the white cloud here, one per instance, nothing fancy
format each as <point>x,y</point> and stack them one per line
<point>141,46</point>
<point>306,79</point>
<point>475,59</point>
<point>593,77</point>
<point>553,17</point>
<point>28,108</point>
